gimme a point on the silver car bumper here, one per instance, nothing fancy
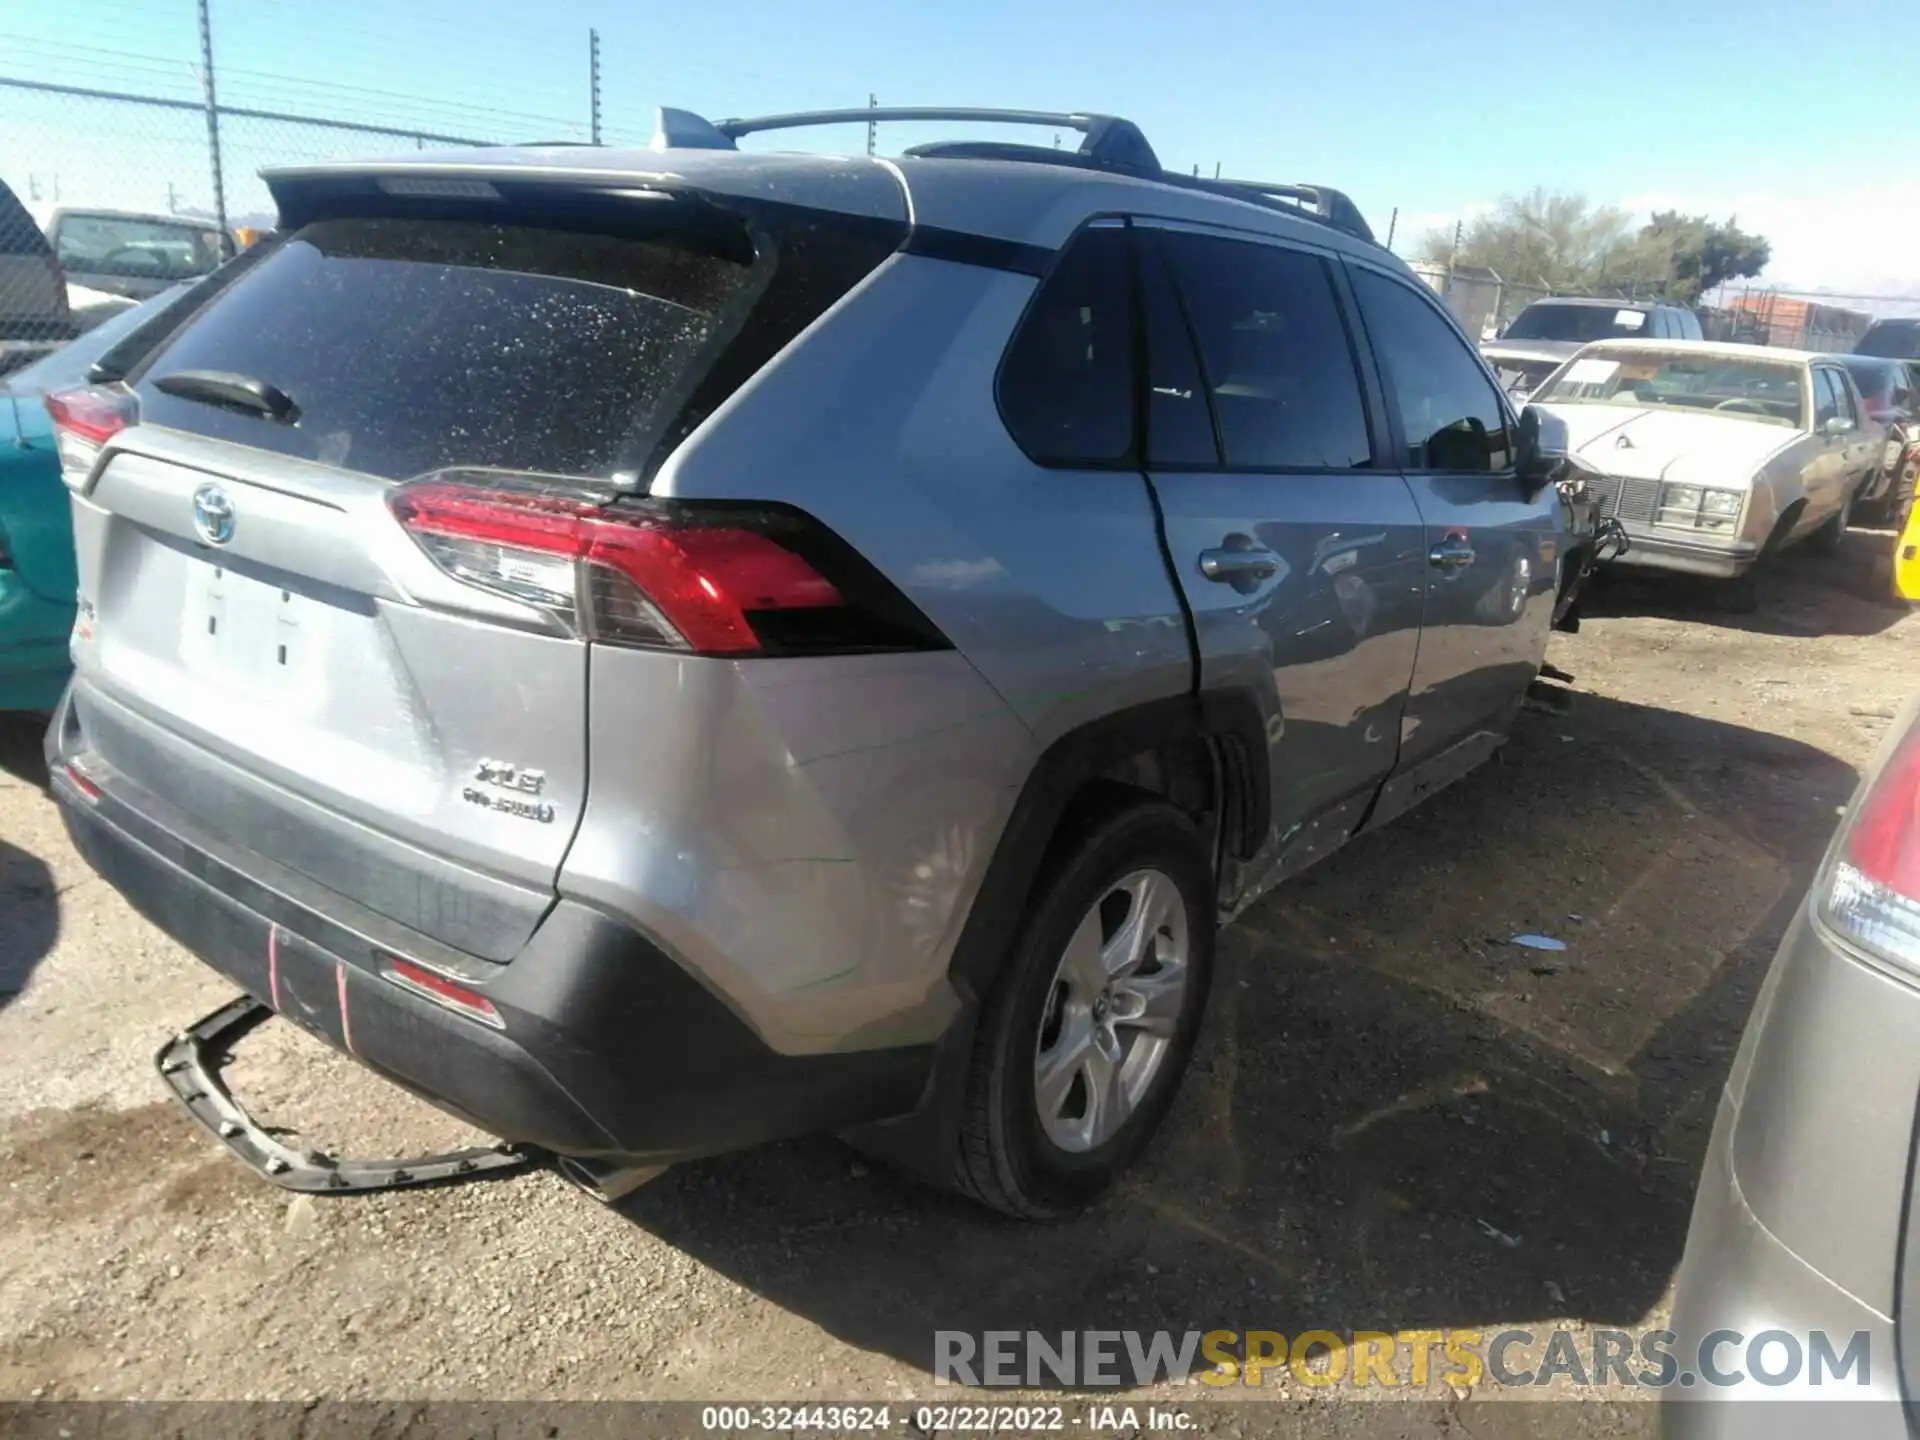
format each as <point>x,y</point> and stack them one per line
<point>1797,1224</point>
<point>1662,550</point>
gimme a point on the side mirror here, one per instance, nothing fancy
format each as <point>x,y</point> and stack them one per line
<point>1541,451</point>
<point>1836,425</point>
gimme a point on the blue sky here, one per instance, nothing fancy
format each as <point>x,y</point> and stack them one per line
<point>1786,110</point>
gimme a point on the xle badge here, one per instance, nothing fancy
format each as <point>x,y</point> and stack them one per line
<point>509,777</point>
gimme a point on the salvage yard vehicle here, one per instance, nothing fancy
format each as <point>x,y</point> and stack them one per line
<point>1715,457</point>
<point>36,521</point>
<point>129,254</point>
<point>1546,334</point>
<point>1805,1222</point>
<point>35,317</point>
<point>1887,395</point>
<point>658,651</point>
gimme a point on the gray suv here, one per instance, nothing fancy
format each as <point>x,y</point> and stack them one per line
<point>661,651</point>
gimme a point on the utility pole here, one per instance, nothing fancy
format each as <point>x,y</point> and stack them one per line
<point>173,201</point>
<point>1216,169</point>
<point>1393,224</point>
<point>873,129</point>
<point>593,82</point>
<point>213,116</point>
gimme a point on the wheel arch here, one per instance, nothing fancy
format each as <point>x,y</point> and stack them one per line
<point>1207,753</point>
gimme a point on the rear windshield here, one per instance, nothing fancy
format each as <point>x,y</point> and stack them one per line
<point>1895,339</point>
<point>410,345</point>
<point>1578,322</point>
<point>133,247</point>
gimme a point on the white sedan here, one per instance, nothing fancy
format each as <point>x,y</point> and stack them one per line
<point>1713,456</point>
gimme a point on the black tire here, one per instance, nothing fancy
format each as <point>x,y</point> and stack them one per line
<point>1005,1158</point>
<point>1740,595</point>
<point>1826,539</point>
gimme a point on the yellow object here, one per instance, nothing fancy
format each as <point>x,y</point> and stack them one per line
<point>1906,558</point>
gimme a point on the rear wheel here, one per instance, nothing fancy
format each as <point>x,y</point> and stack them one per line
<point>1084,1039</point>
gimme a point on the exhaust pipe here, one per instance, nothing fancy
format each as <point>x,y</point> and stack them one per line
<point>607,1183</point>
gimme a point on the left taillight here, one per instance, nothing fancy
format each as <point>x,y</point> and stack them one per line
<point>1873,886</point>
<point>706,580</point>
<point>83,421</point>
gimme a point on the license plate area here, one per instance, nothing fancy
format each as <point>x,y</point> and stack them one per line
<point>249,634</point>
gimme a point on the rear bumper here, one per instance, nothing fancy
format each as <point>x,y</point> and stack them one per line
<point>1688,557</point>
<point>606,1047</point>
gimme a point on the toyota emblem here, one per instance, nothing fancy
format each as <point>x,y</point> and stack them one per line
<point>213,514</point>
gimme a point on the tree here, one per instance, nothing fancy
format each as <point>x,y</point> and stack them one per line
<point>1538,238</point>
<point>1701,255</point>
<point>1566,244</point>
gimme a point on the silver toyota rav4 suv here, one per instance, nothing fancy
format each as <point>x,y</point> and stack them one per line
<point>656,651</point>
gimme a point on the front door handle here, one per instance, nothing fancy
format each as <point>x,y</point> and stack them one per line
<point>1452,553</point>
<point>1228,565</point>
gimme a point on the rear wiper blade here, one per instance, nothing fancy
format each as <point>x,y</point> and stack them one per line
<point>235,392</point>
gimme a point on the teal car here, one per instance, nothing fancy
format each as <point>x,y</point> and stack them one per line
<point>37,579</point>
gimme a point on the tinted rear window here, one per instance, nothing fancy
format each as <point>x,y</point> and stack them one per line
<point>1584,323</point>
<point>18,234</point>
<point>414,344</point>
<point>1896,339</point>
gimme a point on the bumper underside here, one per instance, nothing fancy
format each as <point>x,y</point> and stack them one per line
<point>606,1046</point>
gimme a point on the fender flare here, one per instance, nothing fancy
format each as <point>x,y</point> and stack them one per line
<point>1231,719</point>
<point>921,1141</point>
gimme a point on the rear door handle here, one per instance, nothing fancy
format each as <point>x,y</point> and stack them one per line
<point>1453,553</point>
<point>1226,566</point>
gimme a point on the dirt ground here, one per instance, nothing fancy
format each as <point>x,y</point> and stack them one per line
<point>1383,1086</point>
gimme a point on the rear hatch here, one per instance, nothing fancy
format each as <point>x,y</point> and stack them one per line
<point>263,646</point>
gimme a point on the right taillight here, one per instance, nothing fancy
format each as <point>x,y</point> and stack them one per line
<point>1873,887</point>
<point>83,421</point>
<point>727,580</point>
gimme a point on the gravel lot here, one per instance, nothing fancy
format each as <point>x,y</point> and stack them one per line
<point>1381,1084</point>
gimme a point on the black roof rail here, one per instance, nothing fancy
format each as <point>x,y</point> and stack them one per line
<point>1318,202</point>
<point>1109,143</point>
<point>1107,138</point>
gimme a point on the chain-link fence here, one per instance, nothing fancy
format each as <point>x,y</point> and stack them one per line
<point>1482,301</point>
<point>125,171</point>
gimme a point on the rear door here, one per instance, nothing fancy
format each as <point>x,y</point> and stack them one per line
<point>265,650</point>
<point>1491,552</point>
<point>1297,550</point>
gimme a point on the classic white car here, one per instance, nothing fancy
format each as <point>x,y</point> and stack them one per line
<point>1714,457</point>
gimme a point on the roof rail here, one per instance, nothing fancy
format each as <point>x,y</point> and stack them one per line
<point>1110,143</point>
<point>1321,202</point>
<point>1108,139</point>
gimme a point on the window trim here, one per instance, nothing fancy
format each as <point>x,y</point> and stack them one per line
<point>1373,410</point>
<point>1510,417</point>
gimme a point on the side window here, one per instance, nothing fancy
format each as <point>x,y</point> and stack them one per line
<point>1826,405</point>
<point>1689,326</point>
<point>1843,396</point>
<point>1450,414</point>
<point>1662,326</point>
<point>1273,348</point>
<point>1066,384</point>
<point>1179,417</point>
